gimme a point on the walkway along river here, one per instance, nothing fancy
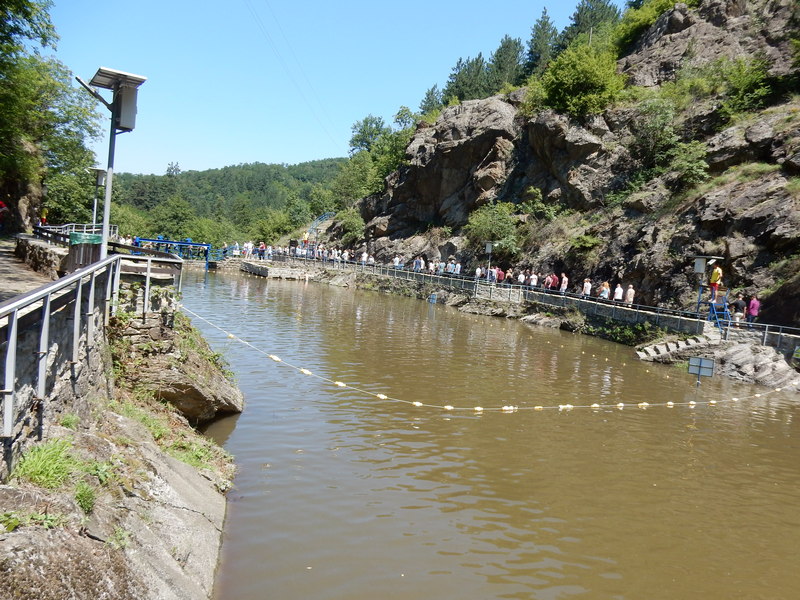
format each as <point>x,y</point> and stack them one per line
<point>342,495</point>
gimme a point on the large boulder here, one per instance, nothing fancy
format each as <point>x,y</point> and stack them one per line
<point>454,165</point>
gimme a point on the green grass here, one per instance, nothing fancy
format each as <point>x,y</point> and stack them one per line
<point>85,496</point>
<point>48,465</point>
<point>793,186</point>
<point>156,424</point>
<point>70,421</point>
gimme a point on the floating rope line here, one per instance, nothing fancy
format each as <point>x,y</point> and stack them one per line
<point>481,409</point>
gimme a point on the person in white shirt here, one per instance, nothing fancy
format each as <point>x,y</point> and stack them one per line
<point>629,293</point>
<point>587,288</point>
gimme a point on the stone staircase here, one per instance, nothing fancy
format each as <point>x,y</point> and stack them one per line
<point>663,351</point>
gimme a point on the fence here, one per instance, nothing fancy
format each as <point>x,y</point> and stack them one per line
<point>782,337</point>
<point>57,325</point>
<point>113,230</point>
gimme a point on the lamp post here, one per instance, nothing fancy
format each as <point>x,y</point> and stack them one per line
<point>99,181</point>
<point>125,87</point>
<point>489,248</point>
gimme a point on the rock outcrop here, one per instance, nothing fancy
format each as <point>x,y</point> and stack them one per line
<point>455,166</point>
<point>749,212</point>
<point>718,29</point>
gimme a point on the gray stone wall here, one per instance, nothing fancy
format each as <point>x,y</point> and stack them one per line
<point>68,384</point>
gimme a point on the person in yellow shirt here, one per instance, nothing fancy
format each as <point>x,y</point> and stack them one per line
<point>714,281</point>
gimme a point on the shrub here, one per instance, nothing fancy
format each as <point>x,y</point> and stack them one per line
<point>352,225</point>
<point>583,80</point>
<point>496,223</point>
<point>70,421</point>
<point>535,98</point>
<point>534,205</point>
<point>491,222</point>
<point>688,160</point>
<point>654,132</point>
<point>746,85</point>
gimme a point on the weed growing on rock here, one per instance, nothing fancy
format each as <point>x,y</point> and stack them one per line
<point>85,496</point>
<point>11,520</point>
<point>70,421</point>
<point>48,465</point>
<point>120,539</point>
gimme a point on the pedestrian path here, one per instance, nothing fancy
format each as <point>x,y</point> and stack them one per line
<point>15,276</point>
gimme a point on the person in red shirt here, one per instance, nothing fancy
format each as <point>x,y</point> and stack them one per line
<point>4,214</point>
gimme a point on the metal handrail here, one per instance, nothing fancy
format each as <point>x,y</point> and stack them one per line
<point>68,228</point>
<point>55,295</point>
<point>545,296</point>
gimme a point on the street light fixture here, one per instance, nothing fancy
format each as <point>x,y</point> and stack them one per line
<point>489,247</point>
<point>99,181</point>
<point>125,88</point>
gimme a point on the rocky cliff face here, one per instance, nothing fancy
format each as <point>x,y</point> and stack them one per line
<point>749,212</point>
<point>718,28</point>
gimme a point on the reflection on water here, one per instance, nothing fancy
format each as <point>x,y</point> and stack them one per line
<point>340,495</point>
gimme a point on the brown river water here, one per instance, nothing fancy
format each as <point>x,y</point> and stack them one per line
<point>342,495</point>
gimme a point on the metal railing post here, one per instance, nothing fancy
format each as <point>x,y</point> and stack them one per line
<point>115,287</point>
<point>44,349</point>
<point>76,320</point>
<point>90,307</point>
<point>9,393</point>
<point>147,287</point>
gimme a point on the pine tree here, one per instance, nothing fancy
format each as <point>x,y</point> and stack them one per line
<point>542,45</point>
<point>469,80</point>
<point>432,101</point>
<point>588,16</point>
<point>505,64</point>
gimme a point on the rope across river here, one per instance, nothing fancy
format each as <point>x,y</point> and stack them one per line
<point>481,409</point>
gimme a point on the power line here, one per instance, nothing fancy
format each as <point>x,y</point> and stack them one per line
<point>285,67</point>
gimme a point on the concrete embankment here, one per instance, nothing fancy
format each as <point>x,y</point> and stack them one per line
<point>659,337</point>
<point>138,504</point>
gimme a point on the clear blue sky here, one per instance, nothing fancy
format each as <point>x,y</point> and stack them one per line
<point>274,81</point>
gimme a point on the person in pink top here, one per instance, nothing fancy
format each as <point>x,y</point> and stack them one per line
<point>752,309</point>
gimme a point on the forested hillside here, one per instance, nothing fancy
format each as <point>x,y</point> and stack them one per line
<point>222,205</point>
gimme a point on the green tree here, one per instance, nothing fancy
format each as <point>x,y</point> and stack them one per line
<point>356,180</point>
<point>25,20</point>
<point>469,80</point>
<point>494,223</point>
<point>588,17</point>
<point>211,231</point>
<point>505,65</point>
<point>583,80</point>
<point>432,101</point>
<point>321,199</point>
<point>272,226</point>
<point>171,218</point>
<point>542,45</point>
<point>131,221</point>
<point>365,133</point>
<point>352,225</point>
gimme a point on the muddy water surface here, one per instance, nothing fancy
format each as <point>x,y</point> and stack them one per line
<point>340,495</point>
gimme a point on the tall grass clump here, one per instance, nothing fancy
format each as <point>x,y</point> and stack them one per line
<point>48,465</point>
